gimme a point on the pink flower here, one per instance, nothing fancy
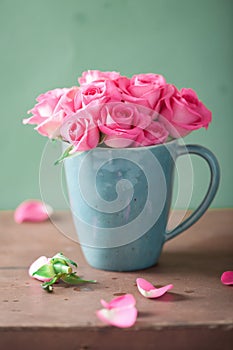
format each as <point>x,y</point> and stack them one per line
<point>46,106</point>
<point>97,92</point>
<point>36,265</point>
<point>153,134</point>
<point>149,291</point>
<point>126,300</point>
<point>52,109</point>
<point>146,80</point>
<point>32,211</point>
<point>81,131</point>
<point>227,278</point>
<point>93,75</point>
<point>120,312</point>
<point>142,89</point>
<point>69,103</point>
<point>122,123</point>
<point>170,112</point>
<point>181,111</point>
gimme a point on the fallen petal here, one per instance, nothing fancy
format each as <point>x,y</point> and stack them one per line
<point>42,260</point>
<point>124,301</point>
<point>227,278</point>
<point>149,291</point>
<point>118,317</point>
<point>32,211</point>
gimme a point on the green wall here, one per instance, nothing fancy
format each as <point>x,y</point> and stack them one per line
<point>48,43</point>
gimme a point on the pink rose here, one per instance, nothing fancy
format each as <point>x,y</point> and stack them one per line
<point>181,111</point>
<point>69,103</point>
<point>93,75</point>
<point>122,123</point>
<point>45,107</point>
<point>153,134</point>
<point>148,79</point>
<point>52,109</point>
<point>81,131</point>
<point>36,265</point>
<point>142,89</point>
<point>97,92</point>
<point>141,110</point>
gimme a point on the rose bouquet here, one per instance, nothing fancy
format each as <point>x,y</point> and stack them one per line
<point>116,111</point>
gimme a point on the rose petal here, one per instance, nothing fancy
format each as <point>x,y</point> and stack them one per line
<point>120,312</point>
<point>119,317</point>
<point>124,301</point>
<point>149,291</point>
<point>42,260</point>
<point>32,211</point>
<point>227,278</point>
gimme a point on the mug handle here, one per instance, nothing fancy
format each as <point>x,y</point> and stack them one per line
<point>212,189</point>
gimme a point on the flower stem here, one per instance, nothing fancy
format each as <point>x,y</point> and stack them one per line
<point>61,268</point>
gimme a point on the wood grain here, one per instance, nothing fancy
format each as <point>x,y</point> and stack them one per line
<point>196,314</point>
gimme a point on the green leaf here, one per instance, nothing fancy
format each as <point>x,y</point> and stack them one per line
<point>48,285</point>
<point>46,271</point>
<point>60,258</point>
<point>74,279</point>
<point>66,154</point>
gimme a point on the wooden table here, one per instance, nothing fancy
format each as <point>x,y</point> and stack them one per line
<point>196,314</point>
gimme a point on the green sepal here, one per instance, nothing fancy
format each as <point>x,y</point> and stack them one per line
<point>48,285</point>
<point>74,279</point>
<point>46,271</point>
<point>60,258</point>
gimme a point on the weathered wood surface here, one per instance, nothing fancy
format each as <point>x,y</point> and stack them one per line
<point>196,314</point>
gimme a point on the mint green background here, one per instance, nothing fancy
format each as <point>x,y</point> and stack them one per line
<point>48,43</point>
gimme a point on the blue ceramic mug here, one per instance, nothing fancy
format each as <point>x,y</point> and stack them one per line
<point>120,201</point>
